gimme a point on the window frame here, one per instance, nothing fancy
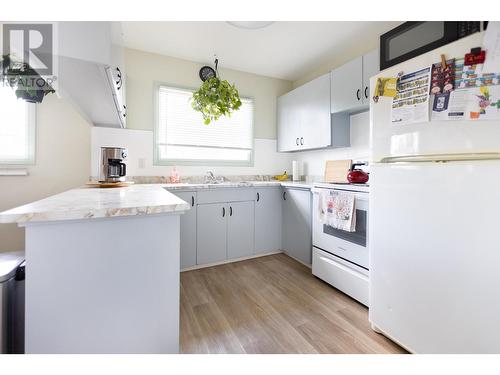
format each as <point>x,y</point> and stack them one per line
<point>31,140</point>
<point>194,162</point>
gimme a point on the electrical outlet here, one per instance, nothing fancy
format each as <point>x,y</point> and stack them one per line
<point>142,163</point>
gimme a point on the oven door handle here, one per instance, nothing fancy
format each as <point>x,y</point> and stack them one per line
<point>358,196</point>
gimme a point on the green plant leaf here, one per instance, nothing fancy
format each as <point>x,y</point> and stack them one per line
<point>215,98</point>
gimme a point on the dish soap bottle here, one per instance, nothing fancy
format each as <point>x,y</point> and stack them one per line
<point>174,176</point>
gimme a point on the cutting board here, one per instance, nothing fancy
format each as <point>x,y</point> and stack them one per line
<point>106,185</point>
<point>336,170</point>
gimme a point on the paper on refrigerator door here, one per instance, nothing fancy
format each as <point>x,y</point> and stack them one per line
<point>476,95</point>
<point>411,104</point>
<point>455,105</point>
<point>491,43</point>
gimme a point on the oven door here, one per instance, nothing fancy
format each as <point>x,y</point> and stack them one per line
<point>350,246</point>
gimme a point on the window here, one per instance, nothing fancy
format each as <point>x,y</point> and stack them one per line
<point>182,138</point>
<point>17,129</point>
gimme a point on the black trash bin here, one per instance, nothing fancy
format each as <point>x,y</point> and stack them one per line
<point>12,275</point>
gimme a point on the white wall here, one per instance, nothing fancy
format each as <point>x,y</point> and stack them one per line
<point>350,48</point>
<point>62,163</point>
<point>140,155</point>
<point>144,68</point>
<point>313,162</point>
<point>267,161</point>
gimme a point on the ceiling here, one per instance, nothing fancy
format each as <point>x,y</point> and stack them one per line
<point>286,50</point>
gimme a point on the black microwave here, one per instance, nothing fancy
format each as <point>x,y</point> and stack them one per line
<point>414,38</point>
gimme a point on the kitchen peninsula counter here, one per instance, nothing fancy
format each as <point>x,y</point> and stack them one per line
<point>91,203</point>
<point>102,270</point>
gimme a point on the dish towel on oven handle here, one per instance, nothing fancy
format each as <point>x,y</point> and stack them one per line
<point>337,209</point>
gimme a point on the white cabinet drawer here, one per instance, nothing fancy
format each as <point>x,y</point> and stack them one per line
<point>340,274</point>
<point>223,195</point>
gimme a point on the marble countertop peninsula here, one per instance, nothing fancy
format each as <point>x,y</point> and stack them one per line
<point>89,203</point>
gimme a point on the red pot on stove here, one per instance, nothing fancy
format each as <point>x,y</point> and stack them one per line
<point>357,176</point>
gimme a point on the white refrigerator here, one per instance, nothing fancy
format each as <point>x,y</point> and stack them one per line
<point>435,227</point>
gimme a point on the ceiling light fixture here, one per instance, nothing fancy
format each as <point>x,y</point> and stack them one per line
<point>250,25</point>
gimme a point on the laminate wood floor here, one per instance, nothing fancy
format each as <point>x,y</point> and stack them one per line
<point>271,304</point>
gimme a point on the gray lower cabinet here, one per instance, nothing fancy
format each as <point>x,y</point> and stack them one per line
<point>211,233</point>
<point>240,230</point>
<point>188,230</point>
<point>296,231</point>
<point>214,230</point>
<point>267,219</point>
<point>224,231</point>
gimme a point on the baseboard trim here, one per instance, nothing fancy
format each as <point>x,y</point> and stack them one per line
<point>197,267</point>
<point>298,260</point>
<point>375,328</point>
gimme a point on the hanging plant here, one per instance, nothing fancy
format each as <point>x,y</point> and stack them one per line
<point>215,98</point>
<point>26,82</point>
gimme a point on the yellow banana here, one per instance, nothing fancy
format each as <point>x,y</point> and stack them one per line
<point>281,177</point>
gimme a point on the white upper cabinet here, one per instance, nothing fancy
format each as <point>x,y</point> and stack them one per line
<point>91,72</point>
<point>371,67</point>
<point>117,82</point>
<point>350,83</point>
<point>288,122</point>
<point>303,116</point>
<point>315,124</point>
<point>346,83</point>
<point>82,40</point>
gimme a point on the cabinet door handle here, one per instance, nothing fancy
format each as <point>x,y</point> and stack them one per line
<point>258,197</point>
<point>357,94</point>
<point>284,195</point>
<point>119,80</point>
<point>192,201</point>
<point>366,92</point>
<point>223,211</point>
<point>124,112</point>
<point>301,141</point>
<point>230,211</point>
<point>297,141</point>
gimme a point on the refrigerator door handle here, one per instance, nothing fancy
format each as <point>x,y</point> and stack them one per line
<point>437,158</point>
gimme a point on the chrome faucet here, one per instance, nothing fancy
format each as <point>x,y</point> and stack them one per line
<point>210,178</point>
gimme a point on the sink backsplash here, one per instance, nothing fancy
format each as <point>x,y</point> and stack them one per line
<point>199,179</point>
<point>194,179</point>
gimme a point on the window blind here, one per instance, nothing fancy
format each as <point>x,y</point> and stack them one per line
<point>17,129</point>
<point>182,135</point>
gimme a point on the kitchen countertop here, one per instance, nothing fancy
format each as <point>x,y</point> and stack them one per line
<point>139,199</point>
<point>189,186</point>
<point>291,184</point>
<point>88,203</point>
